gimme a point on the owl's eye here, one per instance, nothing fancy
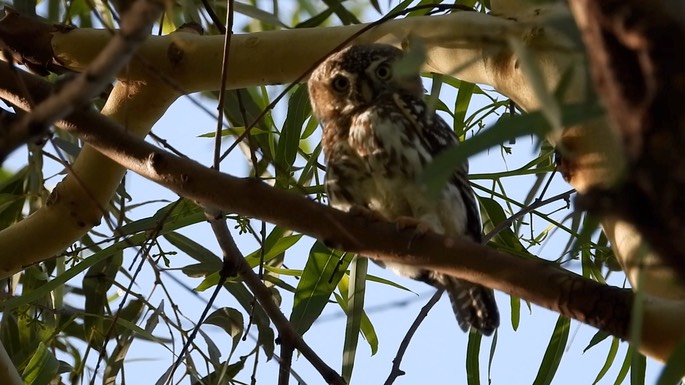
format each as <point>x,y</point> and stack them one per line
<point>383,71</point>
<point>340,83</point>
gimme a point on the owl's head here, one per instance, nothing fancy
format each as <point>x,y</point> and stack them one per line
<point>356,77</point>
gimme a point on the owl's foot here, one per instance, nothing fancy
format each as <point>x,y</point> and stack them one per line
<point>363,212</point>
<point>420,227</point>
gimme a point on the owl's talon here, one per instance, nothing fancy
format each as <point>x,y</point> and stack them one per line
<point>369,215</point>
<point>420,227</point>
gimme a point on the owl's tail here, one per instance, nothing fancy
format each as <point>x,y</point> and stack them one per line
<point>474,305</point>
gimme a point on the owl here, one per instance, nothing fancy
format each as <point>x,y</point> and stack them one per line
<point>378,136</point>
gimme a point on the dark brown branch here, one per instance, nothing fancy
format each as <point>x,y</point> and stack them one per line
<point>537,281</point>
<point>638,64</point>
<point>234,262</point>
<point>135,27</point>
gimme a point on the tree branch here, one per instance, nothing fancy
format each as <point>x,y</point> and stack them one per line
<point>234,261</point>
<point>467,45</point>
<point>537,281</point>
<point>396,371</point>
<point>135,28</point>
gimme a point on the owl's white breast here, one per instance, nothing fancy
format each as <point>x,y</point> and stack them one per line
<point>390,147</point>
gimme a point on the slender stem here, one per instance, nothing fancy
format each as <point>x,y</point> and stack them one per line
<point>396,371</point>
<point>531,207</point>
<point>234,261</point>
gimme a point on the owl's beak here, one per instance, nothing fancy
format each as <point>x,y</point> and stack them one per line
<point>366,92</point>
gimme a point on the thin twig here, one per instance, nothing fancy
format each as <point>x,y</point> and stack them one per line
<point>224,79</point>
<point>235,261</point>
<point>533,206</point>
<point>396,371</point>
<point>286,362</point>
<point>135,28</point>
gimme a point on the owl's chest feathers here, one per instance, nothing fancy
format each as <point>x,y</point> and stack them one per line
<point>388,151</point>
<point>387,144</point>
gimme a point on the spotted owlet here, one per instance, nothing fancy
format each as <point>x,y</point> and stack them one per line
<point>378,136</point>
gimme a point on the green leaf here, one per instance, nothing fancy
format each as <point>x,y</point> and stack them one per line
<point>515,303</point>
<point>383,281</point>
<point>493,347</point>
<point>209,262</point>
<point>609,361</point>
<point>233,131</point>
<point>183,213</point>
<point>461,105</point>
<point>367,329</point>
<point>553,353</point>
<point>321,274</point>
<point>96,282</point>
<point>42,367</point>
<point>230,320</point>
<point>638,365</point>
<point>369,333</point>
<point>674,369</point>
<point>213,351</point>
<point>472,358</point>
<point>299,110</point>
<point>505,240</point>
<point>597,338</point>
<point>276,243</point>
<point>258,315</point>
<point>355,309</point>
<point>222,376</point>
<point>317,20</point>
<point>442,167</point>
<point>623,372</point>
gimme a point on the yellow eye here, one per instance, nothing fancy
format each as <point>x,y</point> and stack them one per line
<point>383,71</point>
<point>340,83</point>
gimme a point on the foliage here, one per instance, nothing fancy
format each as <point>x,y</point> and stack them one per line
<point>88,308</point>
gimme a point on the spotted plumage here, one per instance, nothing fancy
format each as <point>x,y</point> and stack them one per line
<point>378,137</point>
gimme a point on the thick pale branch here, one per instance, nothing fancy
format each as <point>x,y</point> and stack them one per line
<point>76,203</point>
<point>470,45</point>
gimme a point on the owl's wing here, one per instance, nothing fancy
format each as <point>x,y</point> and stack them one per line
<point>438,137</point>
<point>347,181</point>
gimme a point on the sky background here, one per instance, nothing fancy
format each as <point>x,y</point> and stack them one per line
<point>437,351</point>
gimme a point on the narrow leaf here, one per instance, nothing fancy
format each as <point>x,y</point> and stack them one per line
<point>42,367</point>
<point>230,320</point>
<point>638,366</point>
<point>355,309</point>
<point>609,361</point>
<point>472,358</point>
<point>515,312</point>
<point>623,372</point>
<point>442,167</point>
<point>597,338</point>
<point>553,353</point>
<point>320,276</point>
